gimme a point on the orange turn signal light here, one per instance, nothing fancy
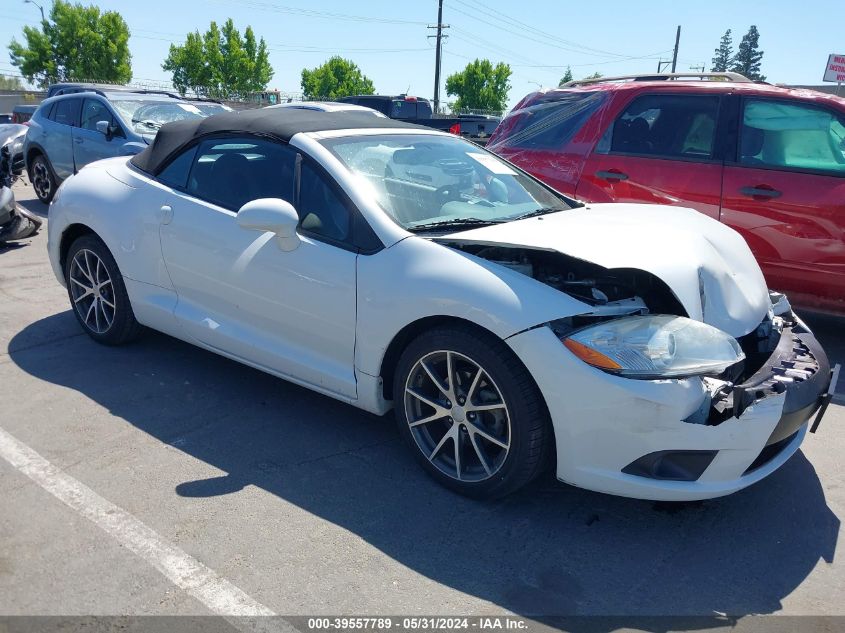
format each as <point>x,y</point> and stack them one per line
<point>590,356</point>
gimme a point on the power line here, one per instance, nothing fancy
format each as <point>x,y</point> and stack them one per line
<point>555,37</point>
<point>311,13</point>
<point>520,29</point>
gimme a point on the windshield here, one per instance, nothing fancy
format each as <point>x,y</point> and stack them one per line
<point>144,116</point>
<point>424,181</point>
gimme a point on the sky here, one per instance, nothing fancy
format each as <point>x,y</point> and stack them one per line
<point>390,41</point>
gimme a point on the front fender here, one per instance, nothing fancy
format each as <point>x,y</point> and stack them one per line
<point>417,278</point>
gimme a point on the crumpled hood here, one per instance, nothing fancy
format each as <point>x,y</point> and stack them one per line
<point>707,265</point>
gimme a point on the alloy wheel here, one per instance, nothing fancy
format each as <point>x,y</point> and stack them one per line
<point>457,416</point>
<point>92,291</point>
<point>41,181</point>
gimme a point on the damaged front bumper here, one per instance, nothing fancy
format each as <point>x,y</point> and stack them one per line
<point>677,440</point>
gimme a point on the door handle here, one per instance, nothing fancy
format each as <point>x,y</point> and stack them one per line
<point>612,174</point>
<point>78,139</point>
<point>165,214</point>
<point>760,192</point>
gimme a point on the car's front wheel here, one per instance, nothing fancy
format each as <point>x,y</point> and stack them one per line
<point>98,294</point>
<point>471,412</point>
<point>43,181</point>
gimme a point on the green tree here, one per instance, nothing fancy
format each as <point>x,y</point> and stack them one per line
<point>336,78</point>
<point>723,54</point>
<point>220,63</point>
<point>567,76</point>
<point>76,43</point>
<point>480,86</point>
<point>10,83</point>
<point>595,75</point>
<point>749,57</point>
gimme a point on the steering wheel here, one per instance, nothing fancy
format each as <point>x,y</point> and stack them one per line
<point>447,193</point>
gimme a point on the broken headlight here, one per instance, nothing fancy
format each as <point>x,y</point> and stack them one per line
<point>657,346</point>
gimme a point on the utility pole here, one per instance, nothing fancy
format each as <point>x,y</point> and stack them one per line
<point>675,54</point>
<point>439,26</point>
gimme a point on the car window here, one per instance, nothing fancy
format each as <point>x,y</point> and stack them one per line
<point>93,111</point>
<point>230,172</point>
<point>792,135</point>
<point>66,112</point>
<point>145,115</point>
<point>176,173</point>
<point>402,109</point>
<point>50,112</point>
<point>671,126</point>
<point>549,122</point>
<point>320,209</point>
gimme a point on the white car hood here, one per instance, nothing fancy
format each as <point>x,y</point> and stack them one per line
<point>707,265</point>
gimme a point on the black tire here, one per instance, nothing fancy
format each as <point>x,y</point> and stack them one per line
<point>43,179</point>
<point>530,431</point>
<point>123,327</point>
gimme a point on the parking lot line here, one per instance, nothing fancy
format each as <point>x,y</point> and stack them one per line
<point>216,593</point>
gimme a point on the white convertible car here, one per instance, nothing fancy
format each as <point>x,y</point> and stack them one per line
<point>635,348</point>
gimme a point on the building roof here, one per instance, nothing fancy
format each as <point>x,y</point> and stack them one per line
<point>279,123</point>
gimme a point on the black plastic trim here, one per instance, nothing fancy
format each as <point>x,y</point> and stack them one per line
<point>683,465</point>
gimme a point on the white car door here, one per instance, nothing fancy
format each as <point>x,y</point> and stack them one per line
<point>292,313</point>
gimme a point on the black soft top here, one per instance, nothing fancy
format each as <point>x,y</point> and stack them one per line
<point>280,123</point>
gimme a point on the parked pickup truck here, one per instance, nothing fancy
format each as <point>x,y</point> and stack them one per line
<point>475,127</point>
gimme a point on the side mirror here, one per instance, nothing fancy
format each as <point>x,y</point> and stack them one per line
<point>274,215</point>
<point>108,130</point>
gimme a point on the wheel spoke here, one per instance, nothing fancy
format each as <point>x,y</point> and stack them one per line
<point>449,434</point>
<point>449,376</point>
<point>90,309</point>
<point>487,436</point>
<point>457,443</point>
<point>434,378</point>
<point>436,416</point>
<point>107,302</point>
<point>82,270</point>
<point>473,385</point>
<point>487,407</point>
<point>106,318</point>
<point>480,453</point>
<point>88,272</point>
<point>96,313</point>
<point>434,405</point>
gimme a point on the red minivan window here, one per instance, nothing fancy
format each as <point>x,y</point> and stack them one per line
<point>547,123</point>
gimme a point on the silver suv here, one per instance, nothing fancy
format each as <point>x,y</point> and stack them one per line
<point>71,130</point>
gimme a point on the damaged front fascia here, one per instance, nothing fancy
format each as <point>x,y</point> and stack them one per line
<point>796,370</point>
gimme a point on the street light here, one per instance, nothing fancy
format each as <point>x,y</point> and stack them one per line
<point>40,8</point>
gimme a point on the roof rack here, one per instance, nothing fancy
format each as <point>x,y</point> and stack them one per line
<point>726,76</point>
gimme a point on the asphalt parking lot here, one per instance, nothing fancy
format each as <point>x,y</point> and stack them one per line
<point>308,506</point>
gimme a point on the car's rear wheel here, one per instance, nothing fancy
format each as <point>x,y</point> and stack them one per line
<point>43,181</point>
<point>471,412</point>
<point>98,294</point>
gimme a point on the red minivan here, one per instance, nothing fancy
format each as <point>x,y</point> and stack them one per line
<point>765,160</point>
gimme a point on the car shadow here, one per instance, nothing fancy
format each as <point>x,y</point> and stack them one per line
<point>548,550</point>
